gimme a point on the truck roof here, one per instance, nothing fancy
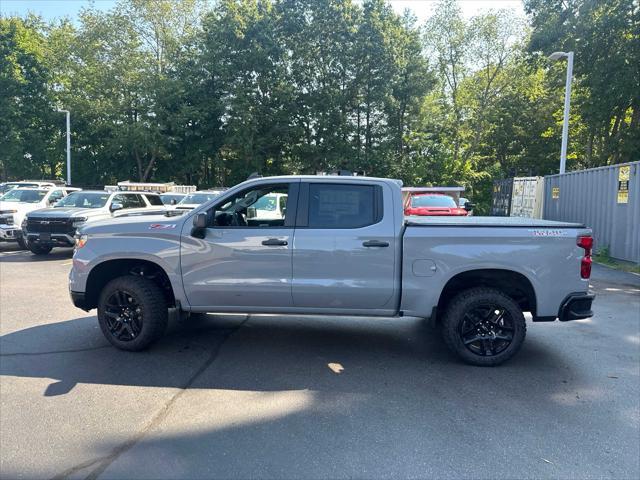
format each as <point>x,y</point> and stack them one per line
<point>333,178</point>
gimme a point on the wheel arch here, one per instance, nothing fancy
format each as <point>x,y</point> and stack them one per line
<point>107,270</point>
<point>512,283</point>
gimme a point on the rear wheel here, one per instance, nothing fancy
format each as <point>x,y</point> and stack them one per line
<point>132,312</point>
<point>483,326</point>
<point>39,249</point>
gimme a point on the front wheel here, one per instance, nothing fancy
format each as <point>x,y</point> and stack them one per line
<point>132,312</point>
<point>22,243</point>
<point>483,326</point>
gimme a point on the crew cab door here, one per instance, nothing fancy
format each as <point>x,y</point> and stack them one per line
<point>244,260</point>
<point>345,247</point>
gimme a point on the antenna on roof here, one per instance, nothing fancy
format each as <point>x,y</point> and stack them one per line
<point>254,175</point>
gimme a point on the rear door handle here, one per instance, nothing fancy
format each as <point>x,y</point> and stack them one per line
<point>375,243</point>
<point>272,242</point>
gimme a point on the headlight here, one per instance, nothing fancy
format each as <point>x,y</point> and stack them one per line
<point>24,224</point>
<point>81,241</point>
<point>78,221</point>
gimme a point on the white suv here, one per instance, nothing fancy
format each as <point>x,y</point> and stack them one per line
<point>16,203</point>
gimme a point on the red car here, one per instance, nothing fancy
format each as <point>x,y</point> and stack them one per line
<point>434,204</point>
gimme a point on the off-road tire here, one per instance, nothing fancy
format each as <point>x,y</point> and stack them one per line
<point>466,302</point>
<point>154,311</point>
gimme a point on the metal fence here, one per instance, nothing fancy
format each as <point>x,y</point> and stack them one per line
<point>607,199</point>
<point>501,198</point>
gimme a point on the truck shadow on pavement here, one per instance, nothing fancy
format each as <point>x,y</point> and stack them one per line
<point>284,397</point>
<point>262,353</point>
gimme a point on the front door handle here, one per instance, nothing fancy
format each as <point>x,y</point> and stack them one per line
<point>274,242</point>
<point>375,243</point>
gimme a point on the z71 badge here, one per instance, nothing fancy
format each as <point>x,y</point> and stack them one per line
<point>162,226</point>
<point>549,233</point>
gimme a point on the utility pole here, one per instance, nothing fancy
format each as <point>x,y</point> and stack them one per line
<point>68,144</point>
<point>567,100</point>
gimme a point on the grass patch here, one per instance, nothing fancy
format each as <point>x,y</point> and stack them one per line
<point>603,257</point>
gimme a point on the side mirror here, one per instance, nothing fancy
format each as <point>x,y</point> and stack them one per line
<point>200,220</point>
<point>199,225</point>
<point>116,206</point>
<point>469,206</point>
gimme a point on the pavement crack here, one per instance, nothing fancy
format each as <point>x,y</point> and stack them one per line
<point>105,461</point>
<point>52,352</point>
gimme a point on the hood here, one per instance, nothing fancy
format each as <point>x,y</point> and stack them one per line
<point>68,212</point>
<point>138,224</point>
<point>21,209</point>
<point>19,206</point>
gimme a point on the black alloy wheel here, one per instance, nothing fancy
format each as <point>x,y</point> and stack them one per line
<point>487,330</point>
<point>124,315</point>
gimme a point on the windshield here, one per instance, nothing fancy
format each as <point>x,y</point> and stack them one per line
<point>197,198</point>
<point>167,198</point>
<point>267,203</point>
<point>25,196</point>
<point>84,200</point>
<point>432,201</point>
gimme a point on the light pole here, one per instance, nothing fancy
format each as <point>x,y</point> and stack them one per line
<point>567,99</point>
<point>68,144</point>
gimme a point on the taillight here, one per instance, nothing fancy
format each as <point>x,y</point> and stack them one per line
<point>586,243</point>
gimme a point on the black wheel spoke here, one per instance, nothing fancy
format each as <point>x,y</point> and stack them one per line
<point>123,316</point>
<point>487,330</point>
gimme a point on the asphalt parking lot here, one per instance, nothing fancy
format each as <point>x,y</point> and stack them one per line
<point>283,397</point>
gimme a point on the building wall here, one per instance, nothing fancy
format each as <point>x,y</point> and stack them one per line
<point>592,197</point>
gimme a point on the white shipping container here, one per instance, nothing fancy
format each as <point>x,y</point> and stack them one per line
<point>528,197</point>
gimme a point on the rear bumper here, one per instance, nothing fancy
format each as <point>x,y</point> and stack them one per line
<point>576,306</point>
<point>79,300</point>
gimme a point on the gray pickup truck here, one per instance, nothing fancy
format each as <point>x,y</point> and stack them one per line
<point>339,246</point>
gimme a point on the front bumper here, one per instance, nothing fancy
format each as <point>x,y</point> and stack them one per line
<point>9,233</point>
<point>79,300</point>
<point>53,239</point>
<point>576,306</point>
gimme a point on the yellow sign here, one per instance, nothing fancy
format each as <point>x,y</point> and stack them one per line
<point>555,192</point>
<point>623,184</point>
<point>623,197</point>
<point>623,173</point>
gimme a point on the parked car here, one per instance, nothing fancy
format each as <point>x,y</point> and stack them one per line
<point>343,247</point>
<point>195,199</point>
<point>434,204</point>
<point>57,227</point>
<point>18,202</point>
<point>172,198</point>
<point>6,186</point>
<point>269,207</point>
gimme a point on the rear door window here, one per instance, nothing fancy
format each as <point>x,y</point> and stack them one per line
<point>335,205</point>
